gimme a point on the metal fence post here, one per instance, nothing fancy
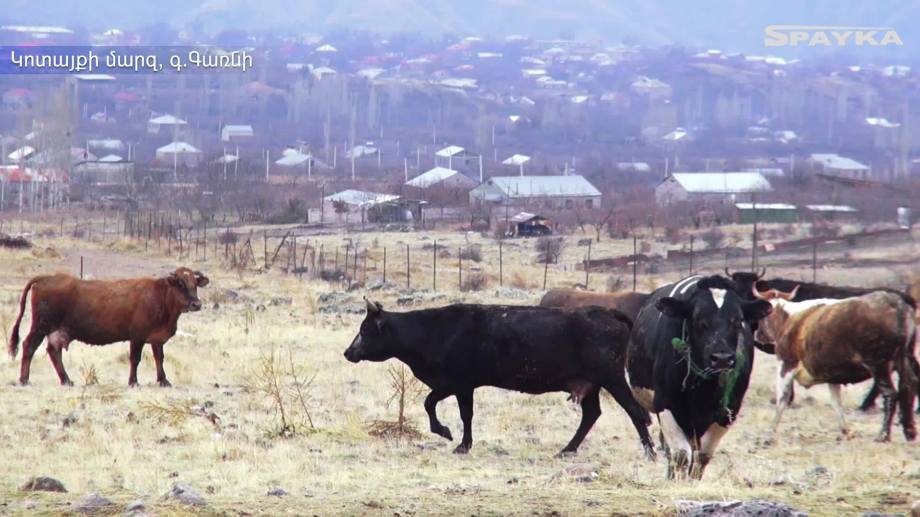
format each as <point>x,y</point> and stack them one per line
<point>635,261</point>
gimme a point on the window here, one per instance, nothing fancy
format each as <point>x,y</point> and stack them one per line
<point>569,203</point>
<point>589,203</point>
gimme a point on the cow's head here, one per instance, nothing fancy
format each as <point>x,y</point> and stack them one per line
<point>745,280</point>
<point>187,283</point>
<point>769,330</point>
<point>374,341</point>
<point>713,317</point>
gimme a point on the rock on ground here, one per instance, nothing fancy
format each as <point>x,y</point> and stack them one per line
<point>277,492</point>
<point>91,503</point>
<point>42,484</point>
<point>754,508</point>
<point>185,495</point>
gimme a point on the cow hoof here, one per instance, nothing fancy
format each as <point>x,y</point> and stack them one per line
<point>883,438</point>
<point>444,432</point>
<point>67,382</point>
<point>462,449</point>
<point>566,453</point>
<point>23,382</point>
<point>132,384</point>
<point>910,435</point>
<point>165,384</point>
<point>650,453</point>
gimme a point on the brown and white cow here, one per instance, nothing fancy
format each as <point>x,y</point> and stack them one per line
<point>843,341</point>
<point>139,310</point>
<point>628,303</point>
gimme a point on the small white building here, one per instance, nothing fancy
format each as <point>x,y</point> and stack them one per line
<point>444,178</point>
<point>688,186</point>
<point>164,124</point>
<point>236,133</point>
<point>836,165</point>
<point>546,192</point>
<point>180,153</point>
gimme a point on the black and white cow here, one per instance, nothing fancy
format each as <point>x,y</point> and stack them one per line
<point>691,353</point>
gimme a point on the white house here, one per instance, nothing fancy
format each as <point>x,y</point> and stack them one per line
<point>686,186</point>
<point>442,177</point>
<point>164,124</point>
<point>547,192</point>
<point>236,132</point>
<point>181,153</point>
<point>834,164</point>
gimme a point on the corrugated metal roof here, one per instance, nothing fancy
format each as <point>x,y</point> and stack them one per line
<point>831,208</point>
<point>722,182</point>
<point>167,119</point>
<point>835,161</point>
<point>178,147</point>
<point>292,159</point>
<point>451,150</point>
<point>431,177</point>
<point>765,206</point>
<point>361,198</point>
<point>516,159</point>
<point>543,186</point>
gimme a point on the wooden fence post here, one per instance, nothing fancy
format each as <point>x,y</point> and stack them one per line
<point>460,269</point>
<point>500,265</point>
<point>408,274</point>
<point>587,265</point>
<point>434,274</point>
<point>384,265</point>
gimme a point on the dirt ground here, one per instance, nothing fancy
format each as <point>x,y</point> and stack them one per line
<point>135,444</point>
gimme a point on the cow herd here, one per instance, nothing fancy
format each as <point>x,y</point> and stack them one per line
<point>684,352</point>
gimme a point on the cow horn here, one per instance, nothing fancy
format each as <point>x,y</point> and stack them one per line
<point>761,296</point>
<point>790,295</point>
<point>729,275</point>
<point>763,272</point>
<point>372,308</point>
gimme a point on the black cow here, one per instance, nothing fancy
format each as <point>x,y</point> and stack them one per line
<point>746,281</point>
<point>691,353</point>
<point>456,349</point>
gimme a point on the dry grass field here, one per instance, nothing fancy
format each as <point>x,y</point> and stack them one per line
<point>131,444</point>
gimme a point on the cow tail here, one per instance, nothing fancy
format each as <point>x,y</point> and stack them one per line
<point>14,337</point>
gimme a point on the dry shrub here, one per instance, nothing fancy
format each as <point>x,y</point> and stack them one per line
<point>228,238</point>
<point>89,375</point>
<point>472,252</point>
<point>405,387</point>
<point>519,281</point>
<point>287,388</point>
<point>713,237</point>
<point>549,249</point>
<point>615,283</point>
<point>473,282</point>
<point>673,234</point>
<point>174,412</point>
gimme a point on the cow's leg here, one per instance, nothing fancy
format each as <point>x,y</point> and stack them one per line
<point>680,450</point>
<point>137,348</point>
<point>158,359</point>
<point>708,444</point>
<point>665,448</point>
<point>29,346</point>
<point>465,402</point>
<point>906,392</point>
<point>431,404</point>
<point>590,412</point>
<point>637,414</point>
<point>783,395</point>
<point>882,376</point>
<point>869,400</point>
<point>837,402</point>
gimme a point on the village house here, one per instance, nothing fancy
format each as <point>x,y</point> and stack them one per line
<point>689,186</point>
<point>179,153</point>
<point>444,178</point>
<point>236,133</point>
<point>836,165</point>
<point>547,192</point>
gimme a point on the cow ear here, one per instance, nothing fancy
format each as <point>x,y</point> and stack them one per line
<point>674,308</point>
<point>201,280</point>
<point>373,309</point>
<point>172,279</point>
<point>756,310</point>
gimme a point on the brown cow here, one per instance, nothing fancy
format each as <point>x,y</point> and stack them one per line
<point>140,310</point>
<point>843,341</point>
<point>628,303</point>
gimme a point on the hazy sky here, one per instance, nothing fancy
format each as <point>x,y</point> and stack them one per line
<point>724,24</point>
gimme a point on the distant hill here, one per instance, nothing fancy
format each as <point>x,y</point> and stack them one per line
<point>728,24</point>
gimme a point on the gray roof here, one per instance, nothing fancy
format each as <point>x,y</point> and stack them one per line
<point>835,161</point>
<point>722,182</point>
<point>543,186</point>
